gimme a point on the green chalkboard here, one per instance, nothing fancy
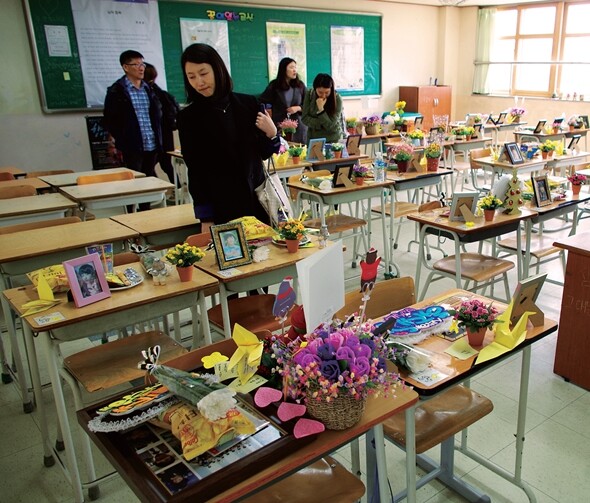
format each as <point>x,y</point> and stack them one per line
<point>247,39</point>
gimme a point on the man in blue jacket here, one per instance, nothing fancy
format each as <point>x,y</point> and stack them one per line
<point>133,116</point>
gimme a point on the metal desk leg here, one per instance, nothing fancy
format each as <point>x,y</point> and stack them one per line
<point>381,463</point>
<point>376,464</point>
<point>224,310</point>
<point>204,321</point>
<point>411,454</point>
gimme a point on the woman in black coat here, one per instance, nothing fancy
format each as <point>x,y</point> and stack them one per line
<point>224,140</point>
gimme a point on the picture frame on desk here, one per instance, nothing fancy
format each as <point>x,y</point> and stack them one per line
<point>501,118</point>
<point>231,247</point>
<point>353,143</point>
<point>540,126</point>
<point>557,121</point>
<point>478,129</point>
<point>315,149</point>
<point>525,295</point>
<point>584,119</point>
<point>86,276</point>
<point>514,153</point>
<point>342,176</point>
<point>418,121</point>
<point>575,139</point>
<point>541,190</point>
<point>468,199</point>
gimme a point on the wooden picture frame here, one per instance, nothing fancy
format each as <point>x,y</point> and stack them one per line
<point>353,143</point>
<point>558,120</point>
<point>88,283</point>
<point>478,129</point>
<point>541,190</point>
<point>584,119</point>
<point>342,176</point>
<point>231,246</point>
<point>575,139</point>
<point>540,127</point>
<point>513,152</point>
<point>315,149</point>
<point>418,121</point>
<point>525,295</point>
<point>468,199</point>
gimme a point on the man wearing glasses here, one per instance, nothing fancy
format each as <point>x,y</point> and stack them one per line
<point>133,116</point>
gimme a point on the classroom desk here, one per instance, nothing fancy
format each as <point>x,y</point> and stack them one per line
<point>495,130</point>
<point>133,471</point>
<point>119,193</point>
<point>431,222</point>
<point>20,210</point>
<point>255,275</point>
<point>127,307</point>
<point>162,227</point>
<point>466,146</point>
<point>499,167</point>
<point>541,137</point>
<point>66,179</point>
<point>332,164</point>
<point>289,169</point>
<point>373,143</point>
<point>38,184</point>
<point>16,172</point>
<point>457,371</point>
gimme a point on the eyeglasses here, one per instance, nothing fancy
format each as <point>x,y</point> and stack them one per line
<point>140,65</point>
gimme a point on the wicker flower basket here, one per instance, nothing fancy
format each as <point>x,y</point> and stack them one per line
<point>339,414</point>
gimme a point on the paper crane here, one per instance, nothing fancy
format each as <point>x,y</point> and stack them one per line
<point>505,336</point>
<point>247,356</point>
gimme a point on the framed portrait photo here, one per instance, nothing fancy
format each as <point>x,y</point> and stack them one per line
<point>541,190</point>
<point>514,153</point>
<point>418,122</point>
<point>315,149</point>
<point>230,245</point>
<point>525,295</point>
<point>467,199</point>
<point>353,143</point>
<point>584,119</point>
<point>342,176</point>
<point>87,279</point>
<point>574,141</point>
<point>557,121</point>
<point>540,126</point>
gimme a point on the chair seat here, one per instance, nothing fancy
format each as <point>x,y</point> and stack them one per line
<point>325,480</point>
<point>337,223</point>
<point>541,246</point>
<point>115,363</point>
<point>400,209</point>
<point>440,417</point>
<point>475,266</point>
<point>253,312</point>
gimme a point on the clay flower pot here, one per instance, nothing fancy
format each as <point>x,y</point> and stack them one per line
<point>432,163</point>
<point>292,245</point>
<point>337,154</point>
<point>359,180</point>
<point>402,166</point>
<point>295,159</point>
<point>489,215</point>
<point>576,189</point>
<point>476,337</point>
<point>185,273</point>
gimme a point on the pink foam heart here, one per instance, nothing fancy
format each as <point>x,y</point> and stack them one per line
<point>305,427</point>
<point>288,411</point>
<point>265,396</point>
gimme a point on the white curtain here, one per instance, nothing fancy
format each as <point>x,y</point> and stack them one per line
<point>485,31</point>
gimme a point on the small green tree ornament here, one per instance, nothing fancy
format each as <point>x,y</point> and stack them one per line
<point>513,200</point>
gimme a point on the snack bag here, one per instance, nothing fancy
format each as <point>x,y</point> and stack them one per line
<point>55,276</point>
<point>255,229</point>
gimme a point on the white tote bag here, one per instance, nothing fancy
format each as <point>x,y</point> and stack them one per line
<point>272,196</point>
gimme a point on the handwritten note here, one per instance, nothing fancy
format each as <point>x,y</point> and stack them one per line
<point>461,349</point>
<point>429,376</point>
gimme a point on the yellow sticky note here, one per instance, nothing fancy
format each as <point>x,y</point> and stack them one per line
<point>255,382</point>
<point>461,349</point>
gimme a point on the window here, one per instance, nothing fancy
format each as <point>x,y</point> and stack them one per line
<point>534,50</point>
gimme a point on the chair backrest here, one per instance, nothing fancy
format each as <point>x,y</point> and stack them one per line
<point>9,229</point>
<point>386,296</point>
<point>105,177</point>
<point>5,175</point>
<point>308,174</point>
<point>18,191</point>
<point>37,174</point>
<point>201,240</point>
<point>430,205</point>
<point>477,153</point>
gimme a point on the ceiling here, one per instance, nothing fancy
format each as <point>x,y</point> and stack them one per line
<point>466,3</point>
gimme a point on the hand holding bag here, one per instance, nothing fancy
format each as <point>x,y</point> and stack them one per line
<point>272,196</point>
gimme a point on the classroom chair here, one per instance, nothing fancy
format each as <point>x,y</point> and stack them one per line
<point>5,176</point>
<point>18,191</point>
<point>50,172</point>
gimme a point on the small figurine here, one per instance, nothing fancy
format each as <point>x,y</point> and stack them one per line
<point>369,270</point>
<point>158,271</point>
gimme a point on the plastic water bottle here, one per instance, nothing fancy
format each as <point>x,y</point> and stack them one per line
<point>379,167</point>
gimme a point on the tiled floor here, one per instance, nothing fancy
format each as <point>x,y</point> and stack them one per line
<point>557,447</point>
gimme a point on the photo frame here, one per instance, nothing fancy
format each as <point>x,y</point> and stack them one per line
<point>88,283</point>
<point>342,176</point>
<point>557,121</point>
<point>540,127</point>
<point>501,118</point>
<point>353,143</point>
<point>231,246</point>
<point>315,149</point>
<point>525,295</point>
<point>418,121</point>
<point>468,199</point>
<point>584,119</point>
<point>574,141</point>
<point>541,190</point>
<point>514,153</point>
<point>478,129</point>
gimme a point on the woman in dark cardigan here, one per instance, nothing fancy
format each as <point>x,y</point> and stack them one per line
<point>285,95</point>
<point>224,140</point>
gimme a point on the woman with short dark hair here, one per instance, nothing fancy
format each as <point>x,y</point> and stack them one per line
<point>322,110</point>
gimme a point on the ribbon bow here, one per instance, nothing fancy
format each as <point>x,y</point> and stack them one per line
<point>150,361</point>
<point>135,248</point>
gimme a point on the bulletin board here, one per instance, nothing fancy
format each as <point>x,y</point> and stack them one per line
<point>60,79</point>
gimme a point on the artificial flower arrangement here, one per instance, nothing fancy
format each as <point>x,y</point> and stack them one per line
<point>351,122</point>
<point>577,179</point>
<point>372,120</point>
<point>516,112</point>
<point>337,147</point>
<point>416,134</point>
<point>399,108</point>
<point>360,171</point>
<point>401,151</point>
<point>556,125</point>
<point>461,131</point>
<point>574,121</point>
<point>184,255</point>
<point>548,146</point>
<point>288,126</point>
<point>489,202</point>
<point>474,314</point>
<point>292,229</point>
<point>477,119</point>
<point>433,151</point>
<point>295,151</point>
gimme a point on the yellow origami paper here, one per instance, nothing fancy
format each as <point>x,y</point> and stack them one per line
<point>214,358</point>
<point>43,289</point>
<point>247,356</point>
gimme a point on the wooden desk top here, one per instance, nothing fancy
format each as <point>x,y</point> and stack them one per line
<point>396,177</point>
<point>70,178</point>
<point>457,370</point>
<point>159,219</point>
<point>15,171</point>
<point>142,294</point>
<point>119,188</point>
<point>289,165</point>
<point>369,184</point>
<point>505,125</point>
<point>39,184</point>
<point>34,204</point>
<point>579,244</point>
<point>340,160</point>
<point>37,242</point>
<point>488,161</point>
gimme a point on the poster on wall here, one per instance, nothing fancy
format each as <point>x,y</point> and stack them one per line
<point>204,31</point>
<point>107,28</point>
<point>102,146</point>
<point>286,40</point>
<point>348,57</point>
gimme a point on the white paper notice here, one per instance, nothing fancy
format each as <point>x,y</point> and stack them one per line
<point>348,57</point>
<point>286,40</point>
<point>58,41</point>
<point>204,31</point>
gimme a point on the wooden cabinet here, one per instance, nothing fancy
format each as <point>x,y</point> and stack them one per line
<point>572,353</point>
<point>427,101</point>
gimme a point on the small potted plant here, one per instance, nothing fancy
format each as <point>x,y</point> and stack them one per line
<point>547,148</point>
<point>556,127</point>
<point>577,180</point>
<point>351,123</point>
<point>488,204</point>
<point>372,123</point>
<point>416,135</point>
<point>433,152</point>
<point>360,172</point>
<point>288,128</point>
<point>183,256</point>
<point>292,231</point>
<point>295,153</point>
<point>515,114</point>
<point>337,148</point>
<point>573,122</point>
<point>402,153</point>
<point>476,317</point>
<point>460,133</point>
<point>469,132</point>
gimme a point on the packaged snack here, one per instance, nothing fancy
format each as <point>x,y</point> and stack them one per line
<point>55,276</point>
